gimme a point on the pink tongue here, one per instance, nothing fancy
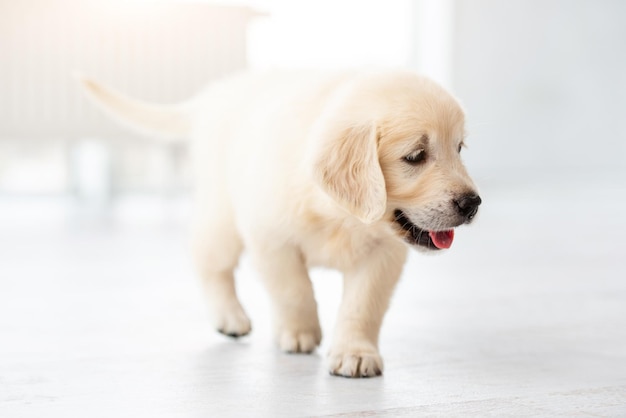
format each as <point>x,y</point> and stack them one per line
<point>442,239</point>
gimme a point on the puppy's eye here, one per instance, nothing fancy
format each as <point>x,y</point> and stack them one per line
<point>460,147</point>
<point>416,157</point>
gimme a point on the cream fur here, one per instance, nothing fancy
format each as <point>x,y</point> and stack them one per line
<point>306,169</point>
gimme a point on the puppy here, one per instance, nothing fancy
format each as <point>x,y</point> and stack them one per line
<point>301,169</point>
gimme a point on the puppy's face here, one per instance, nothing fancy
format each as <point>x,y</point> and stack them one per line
<point>428,190</point>
<point>392,154</point>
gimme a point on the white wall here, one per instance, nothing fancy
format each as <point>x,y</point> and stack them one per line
<point>544,83</point>
<point>331,34</point>
<point>432,38</point>
<point>156,51</point>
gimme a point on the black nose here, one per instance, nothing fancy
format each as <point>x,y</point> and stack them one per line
<point>467,205</point>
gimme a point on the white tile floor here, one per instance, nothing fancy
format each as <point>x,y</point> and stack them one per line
<point>526,315</point>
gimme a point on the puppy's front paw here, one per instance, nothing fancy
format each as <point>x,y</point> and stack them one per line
<point>299,340</point>
<point>355,360</point>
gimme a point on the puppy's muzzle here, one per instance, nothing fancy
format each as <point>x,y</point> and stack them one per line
<point>467,206</point>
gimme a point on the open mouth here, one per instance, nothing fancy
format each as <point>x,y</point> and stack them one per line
<point>434,240</point>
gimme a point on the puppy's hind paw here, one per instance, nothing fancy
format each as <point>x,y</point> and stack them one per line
<point>234,324</point>
<point>357,363</point>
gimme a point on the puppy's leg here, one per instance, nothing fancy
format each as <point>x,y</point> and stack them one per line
<point>367,290</point>
<point>216,249</point>
<point>287,280</point>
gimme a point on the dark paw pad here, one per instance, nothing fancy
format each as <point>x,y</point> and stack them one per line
<point>231,334</point>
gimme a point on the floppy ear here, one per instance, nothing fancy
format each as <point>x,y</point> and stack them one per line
<point>347,168</point>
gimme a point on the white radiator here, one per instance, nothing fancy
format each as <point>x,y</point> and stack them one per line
<point>155,51</point>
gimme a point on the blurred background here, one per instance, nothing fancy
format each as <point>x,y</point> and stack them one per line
<point>93,259</point>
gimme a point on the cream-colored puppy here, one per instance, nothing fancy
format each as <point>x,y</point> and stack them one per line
<point>302,169</point>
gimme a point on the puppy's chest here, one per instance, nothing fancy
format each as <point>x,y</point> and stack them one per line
<point>334,245</point>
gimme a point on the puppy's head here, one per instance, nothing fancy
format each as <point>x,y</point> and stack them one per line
<point>389,151</point>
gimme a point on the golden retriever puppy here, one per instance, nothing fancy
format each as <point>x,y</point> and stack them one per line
<point>302,169</point>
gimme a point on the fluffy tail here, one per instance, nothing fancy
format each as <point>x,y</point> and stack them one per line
<point>167,122</point>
